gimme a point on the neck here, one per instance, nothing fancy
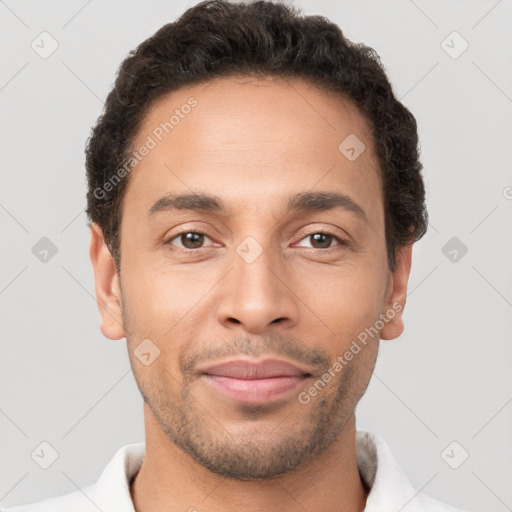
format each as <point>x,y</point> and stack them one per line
<point>170,480</point>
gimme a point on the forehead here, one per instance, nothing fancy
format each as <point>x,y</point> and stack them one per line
<point>253,142</point>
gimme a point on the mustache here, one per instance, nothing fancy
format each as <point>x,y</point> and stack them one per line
<point>269,345</point>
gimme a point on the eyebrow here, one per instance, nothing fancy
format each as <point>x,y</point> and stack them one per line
<point>300,202</point>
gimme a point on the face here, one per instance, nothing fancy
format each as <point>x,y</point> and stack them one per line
<point>241,303</point>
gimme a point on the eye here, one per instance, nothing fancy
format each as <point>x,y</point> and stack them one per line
<point>323,240</point>
<point>189,240</point>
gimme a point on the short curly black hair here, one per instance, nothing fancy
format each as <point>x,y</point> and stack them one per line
<point>218,38</point>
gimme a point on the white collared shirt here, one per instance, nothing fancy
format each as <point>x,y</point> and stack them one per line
<point>390,489</point>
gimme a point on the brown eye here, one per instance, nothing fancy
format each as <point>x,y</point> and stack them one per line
<point>321,240</point>
<point>192,240</point>
<point>188,240</point>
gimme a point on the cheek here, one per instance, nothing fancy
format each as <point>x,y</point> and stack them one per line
<point>160,295</point>
<point>346,299</point>
<point>169,306</point>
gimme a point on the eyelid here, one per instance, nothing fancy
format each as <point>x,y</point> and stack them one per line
<point>342,240</point>
<point>328,229</point>
<point>184,232</point>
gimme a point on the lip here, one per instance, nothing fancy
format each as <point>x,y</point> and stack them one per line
<point>255,381</point>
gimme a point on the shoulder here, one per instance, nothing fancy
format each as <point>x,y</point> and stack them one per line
<point>76,501</point>
<point>110,492</point>
<point>427,504</point>
<point>389,486</point>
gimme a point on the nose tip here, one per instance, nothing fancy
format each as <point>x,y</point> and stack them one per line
<point>272,322</point>
<point>256,298</point>
<point>255,320</point>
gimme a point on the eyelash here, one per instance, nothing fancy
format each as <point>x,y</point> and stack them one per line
<point>341,242</point>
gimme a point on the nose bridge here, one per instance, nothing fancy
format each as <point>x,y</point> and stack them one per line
<point>253,267</point>
<point>255,294</point>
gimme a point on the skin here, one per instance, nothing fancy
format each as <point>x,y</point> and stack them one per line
<point>253,143</point>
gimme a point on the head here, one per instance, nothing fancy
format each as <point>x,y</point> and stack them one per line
<point>254,191</point>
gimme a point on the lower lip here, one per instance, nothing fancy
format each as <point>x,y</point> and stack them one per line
<point>254,390</point>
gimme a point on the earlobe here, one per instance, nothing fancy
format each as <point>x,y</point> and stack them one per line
<point>106,280</point>
<point>397,294</point>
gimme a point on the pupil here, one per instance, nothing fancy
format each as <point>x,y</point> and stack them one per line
<point>194,239</point>
<point>317,237</point>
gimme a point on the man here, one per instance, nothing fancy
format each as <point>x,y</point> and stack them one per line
<point>254,194</point>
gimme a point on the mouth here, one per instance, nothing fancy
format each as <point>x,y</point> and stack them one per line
<point>255,381</point>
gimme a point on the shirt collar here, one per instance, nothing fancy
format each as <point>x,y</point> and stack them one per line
<point>386,484</point>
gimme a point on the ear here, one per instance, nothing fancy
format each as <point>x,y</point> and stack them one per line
<point>108,292</point>
<point>397,294</point>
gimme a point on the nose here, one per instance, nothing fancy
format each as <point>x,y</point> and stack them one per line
<point>257,295</point>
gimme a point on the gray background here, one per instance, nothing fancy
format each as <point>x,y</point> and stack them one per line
<point>448,378</point>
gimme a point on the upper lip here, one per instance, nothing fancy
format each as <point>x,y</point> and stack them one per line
<point>259,369</point>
